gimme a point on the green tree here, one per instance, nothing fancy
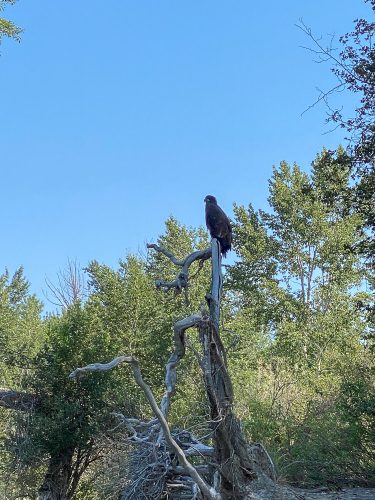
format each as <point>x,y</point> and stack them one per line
<point>122,313</point>
<point>21,337</point>
<point>299,281</point>
<point>354,68</point>
<point>61,436</point>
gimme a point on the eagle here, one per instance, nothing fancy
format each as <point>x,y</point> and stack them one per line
<point>218,224</point>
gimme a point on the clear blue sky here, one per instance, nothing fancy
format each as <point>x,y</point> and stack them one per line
<point>117,114</point>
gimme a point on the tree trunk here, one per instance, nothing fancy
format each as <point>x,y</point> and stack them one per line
<point>57,479</point>
<point>231,450</point>
<point>237,461</point>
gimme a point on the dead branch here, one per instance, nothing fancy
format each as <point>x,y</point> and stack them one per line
<point>179,352</point>
<point>69,288</point>
<point>101,367</point>
<point>182,278</point>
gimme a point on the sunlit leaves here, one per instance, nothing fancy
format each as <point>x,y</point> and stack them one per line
<point>7,28</point>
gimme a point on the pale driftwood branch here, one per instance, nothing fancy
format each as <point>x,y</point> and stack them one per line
<point>16,400</point>
<point>135,421</point>
<point>101,367</point>
<point>136,426</point>
<point>167,253</point>
<point>199,449</point>
<point>179,341</point>
<point>202,469</point>
<point>269,462</point>
<point>207,491</point>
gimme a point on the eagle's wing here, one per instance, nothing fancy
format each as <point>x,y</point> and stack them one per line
<point>217,222</point>
<point>219,226</point>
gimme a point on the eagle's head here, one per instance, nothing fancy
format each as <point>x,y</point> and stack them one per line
<point>210,199</point>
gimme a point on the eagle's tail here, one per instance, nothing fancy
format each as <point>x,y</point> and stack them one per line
<point>225,246</point>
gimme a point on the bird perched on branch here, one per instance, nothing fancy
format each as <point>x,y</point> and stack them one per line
<point>218,224</point>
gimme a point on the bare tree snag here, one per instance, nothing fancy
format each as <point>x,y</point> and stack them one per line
<point>70,287</point>
<point>239,464</point>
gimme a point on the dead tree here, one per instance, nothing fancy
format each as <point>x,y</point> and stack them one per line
<point>229,469</point>
<point>70,287</point>
<point>238,464</point>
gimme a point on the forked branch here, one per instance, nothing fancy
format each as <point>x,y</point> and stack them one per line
<point>182,279</point>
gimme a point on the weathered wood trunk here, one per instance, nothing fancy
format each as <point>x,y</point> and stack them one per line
<point>232,453</point>
<point>231,450</point>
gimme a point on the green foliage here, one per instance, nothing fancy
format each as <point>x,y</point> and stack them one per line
<point>21,336</point>
<point>299,283</point>
<point>70,416</point>
<point>7,28</point>
<point>21,331</point>
<point>131,318</point>
<point>69,413</point>
<point>296,325</point>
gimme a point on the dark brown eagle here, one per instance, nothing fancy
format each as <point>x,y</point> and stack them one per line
<point>218,224</point>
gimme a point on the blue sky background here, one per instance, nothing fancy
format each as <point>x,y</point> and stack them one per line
<point>117,114</point>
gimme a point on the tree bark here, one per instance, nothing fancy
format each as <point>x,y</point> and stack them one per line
<point>64,472</point>
<point>231,450</point>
